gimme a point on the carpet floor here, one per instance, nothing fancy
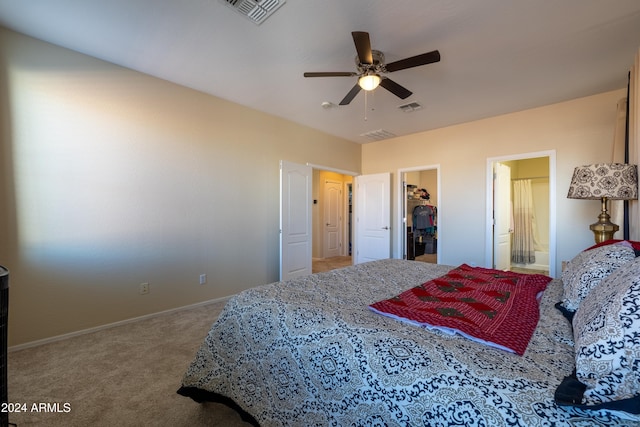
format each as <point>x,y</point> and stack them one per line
<point>122,376</point>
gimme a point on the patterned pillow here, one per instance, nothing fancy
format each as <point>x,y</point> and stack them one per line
<point>589,268</point>
<point>633,243</point>
<point>606,331</point>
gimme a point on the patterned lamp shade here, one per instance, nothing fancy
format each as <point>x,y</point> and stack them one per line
<point>609,180</point>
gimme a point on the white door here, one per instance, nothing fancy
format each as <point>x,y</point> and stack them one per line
<point>295,220</point>
<point>373,217</point>
<point>331,217</point>
<point>501,217</point>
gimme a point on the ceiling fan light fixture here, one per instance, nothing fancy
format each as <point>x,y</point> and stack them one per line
<point>370,64</point>
<point>369,81</point>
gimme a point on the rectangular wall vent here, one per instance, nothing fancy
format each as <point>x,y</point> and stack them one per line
<point>408,108</point>
<point>254,10</point>
<point>378,135</point>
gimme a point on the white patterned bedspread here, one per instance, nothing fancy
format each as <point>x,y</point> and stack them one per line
<point>309,352</point>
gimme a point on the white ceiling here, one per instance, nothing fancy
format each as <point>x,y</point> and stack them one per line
<point>498,56</point>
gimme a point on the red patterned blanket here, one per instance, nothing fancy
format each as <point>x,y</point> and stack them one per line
<point>499,308</point>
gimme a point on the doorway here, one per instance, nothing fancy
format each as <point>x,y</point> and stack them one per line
<point>300,216</point>
<point>419,213</point>
<point>521,213</point>
<point>331,217</point>
<point>331,204</point>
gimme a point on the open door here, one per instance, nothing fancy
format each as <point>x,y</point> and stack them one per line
<point>295,220</point>
<point>373,217</point>
<point>502,217</point>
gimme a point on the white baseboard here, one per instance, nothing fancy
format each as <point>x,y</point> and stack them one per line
<point>111,325</point>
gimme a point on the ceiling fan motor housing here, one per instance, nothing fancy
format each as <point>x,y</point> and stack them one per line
<point>377,67</point>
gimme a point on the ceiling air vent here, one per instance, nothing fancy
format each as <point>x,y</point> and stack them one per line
<point>254,10</point>
<point>378,135</point>
<point>410,107</point>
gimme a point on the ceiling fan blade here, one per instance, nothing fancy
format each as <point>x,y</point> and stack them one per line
<point>414,61</point>
<point>352,94</point>
<point>363,46</point>
<point>395,88</point>
<point>331,74</point>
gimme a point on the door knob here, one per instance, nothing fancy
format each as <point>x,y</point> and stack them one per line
<point>385,228</point>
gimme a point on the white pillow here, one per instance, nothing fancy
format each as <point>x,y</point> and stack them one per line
<point>584,272</point>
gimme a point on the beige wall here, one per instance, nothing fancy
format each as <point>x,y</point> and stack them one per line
<point>111,178</point>
<point>580,132</point>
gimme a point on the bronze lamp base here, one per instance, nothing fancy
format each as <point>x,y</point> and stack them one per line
<point>604,229</point>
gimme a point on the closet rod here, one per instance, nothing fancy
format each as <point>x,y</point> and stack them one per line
<point>533,177</point>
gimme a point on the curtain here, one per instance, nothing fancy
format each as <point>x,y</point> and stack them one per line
<point>616,207</point>
<point>634,141</point>
<point>522,250</point>
<point>625,146</point>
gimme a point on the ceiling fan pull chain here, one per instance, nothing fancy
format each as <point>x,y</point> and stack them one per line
<point>366,102</point>
<point>373,100</point>
<point>365,105</point>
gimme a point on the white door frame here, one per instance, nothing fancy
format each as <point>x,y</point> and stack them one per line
<point>347,222</point>
<point>551,154</point>
<point>401,206</point>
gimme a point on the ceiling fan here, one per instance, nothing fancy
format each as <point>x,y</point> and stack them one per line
<point>372,69</point>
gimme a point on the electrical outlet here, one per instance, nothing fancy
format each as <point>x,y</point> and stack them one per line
<point>144,288</point>
<point>203,279</point>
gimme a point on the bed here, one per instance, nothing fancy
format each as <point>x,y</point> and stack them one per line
<point>312,351</point>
